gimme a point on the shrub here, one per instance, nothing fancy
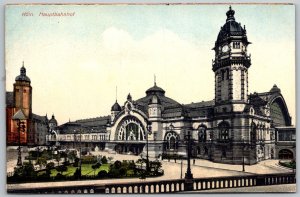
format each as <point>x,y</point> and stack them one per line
<point>103,160</point>
<point>88,159</point>
<point>66,163</point>
<point>122,172</point>
<point>102,174</point>
<point>59,176</point>
<point>117,164</point>
<point>50,165</point>
<point>62,168</point>
<point>26,171</point>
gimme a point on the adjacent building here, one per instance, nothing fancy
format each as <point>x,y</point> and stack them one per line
<point>35,127</point>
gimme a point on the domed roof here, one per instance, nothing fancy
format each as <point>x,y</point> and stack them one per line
<point>155,90</point>
<point>116,107</point>
<point>231,28</point>
<point>275,89</point>
<point>22,76</point>
<point>53,120</point>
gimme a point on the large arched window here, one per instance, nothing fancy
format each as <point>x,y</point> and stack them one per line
<point>223,131</point>
<point>202,133</point>
<point>131,129</point>
<point>171,140</point>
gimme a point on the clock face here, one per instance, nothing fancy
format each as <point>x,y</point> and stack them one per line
<point>225,48</point>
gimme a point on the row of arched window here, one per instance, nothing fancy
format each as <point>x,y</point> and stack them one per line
<point>257,133</point>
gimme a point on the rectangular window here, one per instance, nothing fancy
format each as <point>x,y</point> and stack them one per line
<point>236,45</point>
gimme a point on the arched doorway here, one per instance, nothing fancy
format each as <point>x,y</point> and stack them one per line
<point>285,154</point>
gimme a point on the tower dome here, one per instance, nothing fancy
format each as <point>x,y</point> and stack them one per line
<point>53,120</point>
<point>275,89</point>
<point>116,107</point>
<point>155,90</point>
<point>231,28</point>
<point>22,76</point>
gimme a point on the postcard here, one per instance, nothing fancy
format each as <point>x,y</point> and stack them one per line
<point>150,98</point>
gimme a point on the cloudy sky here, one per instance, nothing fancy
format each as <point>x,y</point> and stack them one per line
<point>76,62</point>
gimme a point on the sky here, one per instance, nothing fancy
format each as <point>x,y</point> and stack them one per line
<point>76,62</point>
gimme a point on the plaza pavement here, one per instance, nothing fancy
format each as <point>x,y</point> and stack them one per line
<point>172,170</point>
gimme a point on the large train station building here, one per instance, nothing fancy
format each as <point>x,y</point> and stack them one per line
<point>235,125</point>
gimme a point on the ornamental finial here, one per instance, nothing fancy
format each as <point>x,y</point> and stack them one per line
<point>230,14</point>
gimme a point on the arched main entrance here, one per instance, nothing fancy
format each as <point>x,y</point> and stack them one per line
<point>130,136</point>
<point>285,154</point>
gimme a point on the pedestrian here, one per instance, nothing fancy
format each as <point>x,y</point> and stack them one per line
<point>175,160</point>
<point>194,161</point>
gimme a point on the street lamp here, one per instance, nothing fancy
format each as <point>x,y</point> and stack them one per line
<point>181,170</point>
<point>243,147</point>
<point>210,149</point>
<point>79,149</point>
<point>19,116</point>
<point>188,185</point>
<point>149,128</point>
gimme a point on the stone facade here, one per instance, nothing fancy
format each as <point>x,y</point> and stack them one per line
<point>233,127</point>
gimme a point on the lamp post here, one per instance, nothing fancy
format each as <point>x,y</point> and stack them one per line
<point>19,116</point>
<point>181,170</point>
<point>79,166</point>
<point>188,185</point>
<point>243,147</point>
<point>210,149</point>
<point>80,151</point>
<point>149,127</point>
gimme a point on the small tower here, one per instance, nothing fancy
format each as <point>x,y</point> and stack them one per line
<point>52,123</point>
<point>115,109</point>
<point>154,107</point>
<point>23,93</point>
<point>230,66</point>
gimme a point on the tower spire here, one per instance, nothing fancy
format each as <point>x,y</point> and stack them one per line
<point>154,80</point>
<point>116,93</point>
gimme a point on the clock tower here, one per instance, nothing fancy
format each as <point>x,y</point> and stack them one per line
<point>230,66</point>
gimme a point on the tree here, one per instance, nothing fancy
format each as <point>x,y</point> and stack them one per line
<point>26,171</point>
<point>76,162</point>
<point>110,159</point>
<point>117,164</point>
<point>41,161</point>
<point>57,158</point>
<point>155,165</point>
<point>102,174</point>
<point>62,169</point>
<point>71,156</point>
<point>103,160</point>
<point>49,167</point>
<point>64,155</point>
<point>95,167</point>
